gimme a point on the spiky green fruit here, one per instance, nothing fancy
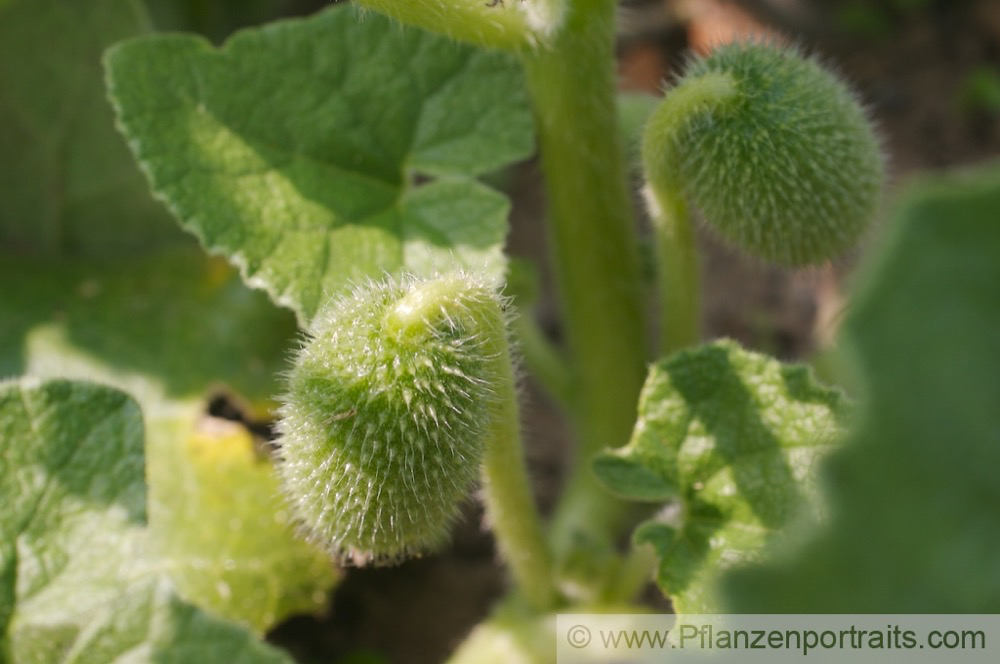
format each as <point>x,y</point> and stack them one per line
<point>386,414</point>
<point>774,150</point>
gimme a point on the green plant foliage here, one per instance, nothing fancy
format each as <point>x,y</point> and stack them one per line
<point>78,578</point>
<point>512,635</point>
<point>326,183</point>
<point>387,412</point>
<point>91,291</point>
<point>980,91</point>
<point>634,110</point>
<point>343,163</point>
<point>69,184</point>
<point>169,327</point>
<point>163,326</point>
<point>914,526</point>
<point>217,514</point>
<point>731,438</point>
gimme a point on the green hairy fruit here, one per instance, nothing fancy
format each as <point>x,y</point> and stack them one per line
<point>773,149</point>
<point>388,407</point>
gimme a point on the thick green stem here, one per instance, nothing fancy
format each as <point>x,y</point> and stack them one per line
<point>510,505</point>
<point>510,24</point>
<point>592,233</point>
<point>677,256</point>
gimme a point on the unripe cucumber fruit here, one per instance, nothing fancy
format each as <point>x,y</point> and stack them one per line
<point>386,414</point>
<point>774,150</point>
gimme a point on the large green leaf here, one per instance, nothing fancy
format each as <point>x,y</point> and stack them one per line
<point>172,328</point>
<point>914,521</point>
<point>315,153</point>
<point>78,580</point>
<point>730,438</point>
<point>68,184</point>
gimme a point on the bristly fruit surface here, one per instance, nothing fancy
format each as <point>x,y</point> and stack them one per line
<point>387,408</point>
<point>787,165</point>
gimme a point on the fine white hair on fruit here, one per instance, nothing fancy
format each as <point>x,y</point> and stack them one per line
<point>774,149</point>
<point>386,412</point>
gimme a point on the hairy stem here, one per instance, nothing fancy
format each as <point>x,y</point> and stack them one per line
<point>595,252</point>
<point>509,24</point>
<point>677,268</point>
<point>510,505</point>
<point>676,252</point>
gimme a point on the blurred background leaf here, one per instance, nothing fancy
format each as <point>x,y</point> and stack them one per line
<point>913,524</point>
<point>79,580</point>
<point>69,185</point>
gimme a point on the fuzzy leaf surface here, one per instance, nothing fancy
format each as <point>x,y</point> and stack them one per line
<point>914,525</point>
<point>78,579</point>
<point>68,185</point>
<point>317,153</point>
<point>731,439</point>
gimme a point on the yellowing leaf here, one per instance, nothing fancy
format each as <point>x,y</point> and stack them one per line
<point>79,578</point>
<point>218,516</point>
